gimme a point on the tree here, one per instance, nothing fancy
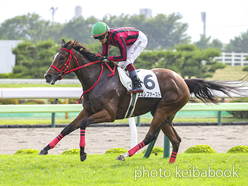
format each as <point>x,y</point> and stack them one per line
<point>186,59</point>
<point>239,44</point>
<point>162,31</point>
<point>23,59</point>
<point>198,62</point>
<point>29,27</point>
<point>45,50</point>
<point>114,21</point>
<point>149,58</point>
<point>79,29</point>
<point>216,44</point>
<point>169,59</point>
<point>32,60</point>
<point>53,31</point>
<point>245,69</point>
<point>165,31</point>
<point>204,43</point>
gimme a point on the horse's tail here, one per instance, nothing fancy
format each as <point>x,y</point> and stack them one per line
<point>204,90</point>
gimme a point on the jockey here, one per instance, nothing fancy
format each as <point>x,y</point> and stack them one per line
<point>130,41</point>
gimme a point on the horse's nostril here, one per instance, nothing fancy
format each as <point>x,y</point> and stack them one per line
<point>47,76</point>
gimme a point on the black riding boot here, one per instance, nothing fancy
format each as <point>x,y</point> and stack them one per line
<point>137,87</point>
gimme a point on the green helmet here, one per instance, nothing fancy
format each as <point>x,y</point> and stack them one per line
<point>99,29</point>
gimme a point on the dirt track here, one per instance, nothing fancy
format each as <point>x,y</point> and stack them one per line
<point>100,139</point>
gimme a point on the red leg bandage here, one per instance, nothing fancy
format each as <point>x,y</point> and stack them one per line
<point>173,157</point>
<point>82,138</point>
<point>55,141</point>
<point>132,151</point>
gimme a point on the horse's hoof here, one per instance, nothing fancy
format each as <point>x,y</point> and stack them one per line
<point>172,160</point>
<point>83,157</point>
<point>121,157</point>
<point>43,152</point>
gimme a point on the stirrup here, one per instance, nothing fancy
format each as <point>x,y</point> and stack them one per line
<point>137,90</point>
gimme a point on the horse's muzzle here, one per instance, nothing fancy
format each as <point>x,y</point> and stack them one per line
<point>51,79</point>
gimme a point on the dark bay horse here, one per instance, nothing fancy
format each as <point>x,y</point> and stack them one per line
<point>105,99</point>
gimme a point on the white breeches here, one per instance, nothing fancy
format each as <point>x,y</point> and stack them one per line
<point>134,50</point>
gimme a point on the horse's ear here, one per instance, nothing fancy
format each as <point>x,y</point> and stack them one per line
<point>63,43</point>
<point>75,43</point>
<point>72,45</point>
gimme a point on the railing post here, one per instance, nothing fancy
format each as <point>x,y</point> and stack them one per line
<point>223,58</point>
<point>242,59</point>
<point>66,114</point>
<point>133,130</point>
<point>166,147</point>
<point>150,147</point>
<point>219,114</point>
<point>138,121</point>
<point>53,114</point>
<point>219,118</point>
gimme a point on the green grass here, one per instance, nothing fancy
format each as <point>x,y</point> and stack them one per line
<point>229,73</point>
<point>31,121</point>
<point>105,170</point>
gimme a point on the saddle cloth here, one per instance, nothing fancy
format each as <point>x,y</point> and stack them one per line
<point>148,79</point>
<point>149,85</point>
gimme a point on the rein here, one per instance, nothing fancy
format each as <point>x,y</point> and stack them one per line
<point>63,71</point>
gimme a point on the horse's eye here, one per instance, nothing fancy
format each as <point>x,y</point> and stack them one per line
<point>62,58</point>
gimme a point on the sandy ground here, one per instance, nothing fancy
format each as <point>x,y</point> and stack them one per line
<point>100,139</point>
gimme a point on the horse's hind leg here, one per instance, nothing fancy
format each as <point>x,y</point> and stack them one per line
<point>67,130</point>
<point>170,132</point>
<point>152,134</point>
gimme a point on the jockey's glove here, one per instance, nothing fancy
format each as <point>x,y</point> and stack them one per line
<point>104,59</point>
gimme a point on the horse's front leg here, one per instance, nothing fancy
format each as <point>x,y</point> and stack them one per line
<point>99,117</point>
<point>67,130</point>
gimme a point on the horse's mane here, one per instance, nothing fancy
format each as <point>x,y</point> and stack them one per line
<point>91,56</point>
<point>85,52</point>
<point>82,50</point>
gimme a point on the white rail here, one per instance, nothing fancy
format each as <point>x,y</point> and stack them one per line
<point>39,93</point>
<point>233,59</point>
<point>62,93</point>
<point>36,81</point>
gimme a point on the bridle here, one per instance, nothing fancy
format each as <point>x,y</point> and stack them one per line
<point>63,71</point>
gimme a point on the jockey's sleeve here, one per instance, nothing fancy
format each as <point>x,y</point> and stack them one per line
<point>121,44</point>
<point>105,49</point>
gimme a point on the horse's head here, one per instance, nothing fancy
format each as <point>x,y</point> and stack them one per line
<point>61,64</point>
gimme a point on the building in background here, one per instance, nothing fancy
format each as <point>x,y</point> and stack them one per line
<point>7,60</point>
<point>78,12</point>
<point>146,11</point>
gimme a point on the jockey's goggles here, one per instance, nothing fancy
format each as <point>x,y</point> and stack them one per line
<point>100,37</point>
